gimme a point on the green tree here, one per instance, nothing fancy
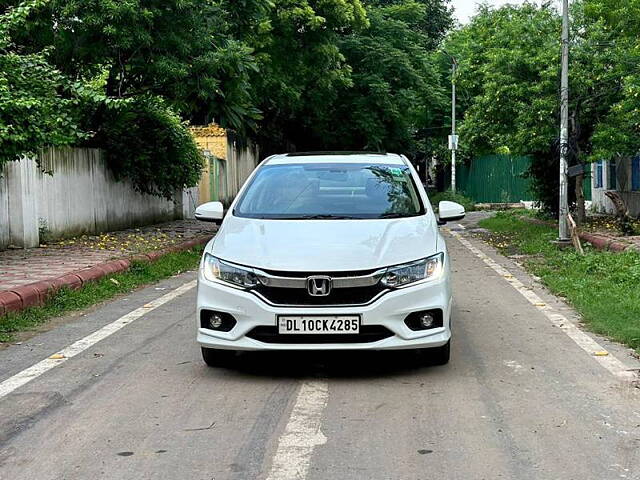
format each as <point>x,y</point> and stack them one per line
<point>338,76</point>
<point>180,50</point>
<point>509,82</point>
<point>301,66</point>
<point>617,133</point>
<point>396,95</point>
<point>34,110</point>
<point>147,143</point>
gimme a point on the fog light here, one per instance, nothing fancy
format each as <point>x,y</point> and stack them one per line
<point>215,322</point>
<point>427,320</point>
<point>218,321</point>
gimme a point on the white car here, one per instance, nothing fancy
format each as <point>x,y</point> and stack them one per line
<point>326,252</point>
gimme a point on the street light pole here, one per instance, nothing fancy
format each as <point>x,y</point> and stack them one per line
<point>563,224</point>
<point>454,142</point>
<point>453,138</point>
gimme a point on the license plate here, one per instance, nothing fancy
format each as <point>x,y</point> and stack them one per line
<point>325,324</point>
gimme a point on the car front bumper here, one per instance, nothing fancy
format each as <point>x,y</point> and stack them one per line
<point>390,311</point>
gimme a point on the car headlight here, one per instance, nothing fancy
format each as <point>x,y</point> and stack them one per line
<point>425,269</point>
<point>215,270</point>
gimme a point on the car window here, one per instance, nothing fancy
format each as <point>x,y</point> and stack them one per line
<point>358,191</point>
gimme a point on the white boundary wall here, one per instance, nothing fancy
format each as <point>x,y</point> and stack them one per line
<point>75,194</point>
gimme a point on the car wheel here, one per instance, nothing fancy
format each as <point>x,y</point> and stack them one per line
<point>217,358</point>
<point>438,355</point>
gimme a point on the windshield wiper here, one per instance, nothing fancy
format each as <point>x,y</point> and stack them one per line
<point>393,215</point>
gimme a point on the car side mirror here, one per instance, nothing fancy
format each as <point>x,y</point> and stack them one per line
<point>450,211</point>
<point>210,212</point>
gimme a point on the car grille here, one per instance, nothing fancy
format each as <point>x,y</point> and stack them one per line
<point>301,297</point>
<point>291,289</point>
<point>368,334</point>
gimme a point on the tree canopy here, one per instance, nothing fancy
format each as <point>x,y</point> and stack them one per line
<point>509,79</point>
<point>314,75</point>
<point>293,74</point>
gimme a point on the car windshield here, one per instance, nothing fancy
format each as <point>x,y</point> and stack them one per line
<point>330,191</point>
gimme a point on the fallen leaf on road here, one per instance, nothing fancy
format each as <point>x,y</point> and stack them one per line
<point>57,356</point>
<point>540,304</point>
<point>602,353</point>
<point>148,305</point>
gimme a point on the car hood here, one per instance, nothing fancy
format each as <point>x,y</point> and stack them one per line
<point>324,245</point>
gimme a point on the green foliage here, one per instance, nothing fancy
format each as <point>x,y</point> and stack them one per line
<point>180,50</point>
<point>301,67</point>
<point>147,143</point>
<point>396,88</point>
<point>369,82</point>
<point>448,196</point>
<point>298,74</point>
<point>618,132</point>
<point>511,77</point>
<point>34,112</point>
<point>508,79</point>
<point>36,107</point>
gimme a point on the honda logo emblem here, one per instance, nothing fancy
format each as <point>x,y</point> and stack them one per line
<point>319,286</point>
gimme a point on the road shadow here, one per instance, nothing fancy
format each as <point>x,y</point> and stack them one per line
<point>331,364</point>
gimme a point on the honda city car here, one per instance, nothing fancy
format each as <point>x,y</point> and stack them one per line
<point>326,252</point>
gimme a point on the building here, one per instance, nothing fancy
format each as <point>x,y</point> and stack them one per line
<point>623,176</point>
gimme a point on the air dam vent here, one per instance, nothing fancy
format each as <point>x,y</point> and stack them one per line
<point>368,334</point>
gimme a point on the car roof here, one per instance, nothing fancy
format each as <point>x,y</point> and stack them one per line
<point>336,157</point>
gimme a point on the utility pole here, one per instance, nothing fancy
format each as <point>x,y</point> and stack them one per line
<point>563,224</point>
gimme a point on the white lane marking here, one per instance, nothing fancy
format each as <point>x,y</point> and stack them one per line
<point>33,372</point>
<point>584,341</point>
<point>301,434</point>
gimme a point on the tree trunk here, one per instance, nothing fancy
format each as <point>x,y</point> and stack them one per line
<point>622,212</point>
<point>581,213</point>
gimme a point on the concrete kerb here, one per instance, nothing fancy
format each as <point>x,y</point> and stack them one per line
<point>37,293</point>
<point>600,242</point>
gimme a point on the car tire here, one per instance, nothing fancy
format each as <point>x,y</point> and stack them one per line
<point>217,358</point>
<point>438,355</point>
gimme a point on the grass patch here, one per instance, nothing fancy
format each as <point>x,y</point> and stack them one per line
<point>67,300</point>
<point>468,204</point>
<point>602,286</point>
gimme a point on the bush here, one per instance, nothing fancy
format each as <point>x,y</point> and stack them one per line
<point>146,142</point>
<point>468,204</point>
<point>33,112</point>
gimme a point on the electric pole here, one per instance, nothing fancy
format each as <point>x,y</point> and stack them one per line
<point>563,224</point>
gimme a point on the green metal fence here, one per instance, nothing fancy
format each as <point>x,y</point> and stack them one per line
<point>499,179</point>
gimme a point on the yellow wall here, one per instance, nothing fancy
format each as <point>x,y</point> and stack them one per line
<point>214,139</point>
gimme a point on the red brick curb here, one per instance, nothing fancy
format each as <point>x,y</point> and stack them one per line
<point>37,293</point>
<point>600,242</point>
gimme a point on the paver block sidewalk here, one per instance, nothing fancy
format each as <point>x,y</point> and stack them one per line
<point>30,272</point>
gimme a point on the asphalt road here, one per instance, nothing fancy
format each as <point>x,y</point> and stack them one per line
<point>519,400</point>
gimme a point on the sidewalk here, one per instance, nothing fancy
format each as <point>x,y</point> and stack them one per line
<point>45,266</point>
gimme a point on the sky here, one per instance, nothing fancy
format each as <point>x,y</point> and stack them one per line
<point>464,9</point>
